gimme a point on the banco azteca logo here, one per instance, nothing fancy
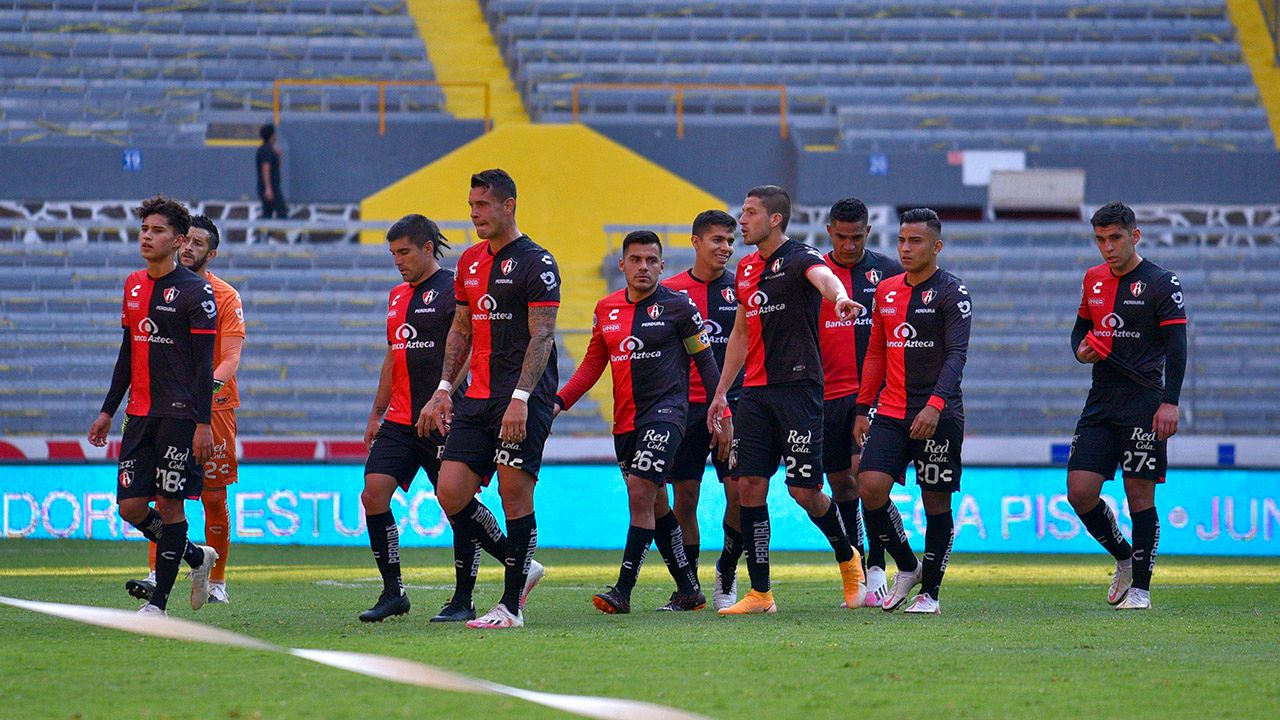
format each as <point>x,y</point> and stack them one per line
<point>905,331</point>
<point>148,326</point>
<point>487,303</point>
<point>757,299</point>
<point>630,344</point>
<point>406,332</point>
<point>1112,321</point>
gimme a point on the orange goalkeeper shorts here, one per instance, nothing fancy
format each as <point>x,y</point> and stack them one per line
<point>222,469</point>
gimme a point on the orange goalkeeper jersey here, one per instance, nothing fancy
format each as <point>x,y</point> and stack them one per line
<point>230,324</point>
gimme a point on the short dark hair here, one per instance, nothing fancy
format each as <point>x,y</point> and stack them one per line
<point>776,201</point>
<point>172,210</point>
<point>922,215</point>
<point>266,132</point>
<point>1115,213</point>
<point>713,218</point>
<point>641,237</point>
<point>420,231</point>
<point>204,223</point>
<point>848,210</point>
<point>497,181</point>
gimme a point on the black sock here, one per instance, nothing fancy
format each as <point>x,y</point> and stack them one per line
<point>875,550</point>
<point>193,555</point>
<point>938,535</point>
<point>522,540</point>
<point>384,540</point>
<point>152,527</point>
<point>829,524</point>
<point>466,565</point>
<point>1101,524</point>
<point>669,538</point>
<point>638,540</point>
<point>485,529</point>
<point>852,521</point>
<point>692,552</point>
<point>1146,536</point>
<point>173,538</point>
<point>886,524</point>
<point>755,521</point>
<point>728,562</point>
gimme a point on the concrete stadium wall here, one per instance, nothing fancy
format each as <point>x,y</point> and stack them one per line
<point>323,161</point>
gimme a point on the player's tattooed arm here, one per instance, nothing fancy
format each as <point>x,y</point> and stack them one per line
<point>457,346</point>
<point>542,339</point>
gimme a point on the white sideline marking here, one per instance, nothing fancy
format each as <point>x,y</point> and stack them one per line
<point>400,670</point>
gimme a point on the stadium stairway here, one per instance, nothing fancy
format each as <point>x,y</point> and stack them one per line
<point>1260,53</point>
<point>461,48</point>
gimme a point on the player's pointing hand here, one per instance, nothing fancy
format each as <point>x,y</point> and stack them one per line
<point>847,308</point>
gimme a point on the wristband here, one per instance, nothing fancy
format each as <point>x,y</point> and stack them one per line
<point>445,385</point>
<point>522,395</point>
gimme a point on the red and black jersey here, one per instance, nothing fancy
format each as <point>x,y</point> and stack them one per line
<point>418,320</point>
<point>918,346</point>
<point>163,319</point>
<point>647,346</point>
<point>498,290</point>
<point>840,368</point>
<point>718,303</point>
<point>782,315</point>
<point>1127,313</point>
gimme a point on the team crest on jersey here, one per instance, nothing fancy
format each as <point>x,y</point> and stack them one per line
<point>1136,287</point>
<point>170,294</point>
<point>508,266</point>
<point>126,478</point>
<point>728,294</point>
<point>428,297</point>
<point>776,266</point>
<point>873,276</point>
<point>928,296</point>
<point>655,311</point>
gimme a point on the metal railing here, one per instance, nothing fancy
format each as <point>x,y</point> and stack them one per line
<point>679,90</point>
<point>51,230</point>
<point>278,86</point>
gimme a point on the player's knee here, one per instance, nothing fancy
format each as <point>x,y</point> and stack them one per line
<point>936,502</point>
<point>133,512</point>
<point>1082,497</point>
<point>808,498</point>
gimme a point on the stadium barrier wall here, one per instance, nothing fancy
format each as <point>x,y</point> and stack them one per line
<point>1005,510</point>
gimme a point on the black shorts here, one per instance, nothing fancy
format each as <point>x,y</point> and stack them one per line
<point>1115,428</point>
<point>838,447</point>
<point>889,448</point>
<point>695,448</point>
<point>781,423</point>
<point>648,451</point>
<point>473,438</point>
<point>156,460</point>
<point>398,451</point>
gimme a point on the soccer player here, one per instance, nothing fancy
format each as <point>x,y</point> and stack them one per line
<point>221,469</point>
<point>711,290</point>
<point>860,270</point>
<point>508,292</point>
<point>917,351</point>
<point>646,333</point>
<point>779,417</point>
<point>419,313</point>
<point>1132,327</point>
<point>169,317</point>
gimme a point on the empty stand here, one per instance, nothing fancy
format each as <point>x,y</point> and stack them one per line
<point>939,74</point>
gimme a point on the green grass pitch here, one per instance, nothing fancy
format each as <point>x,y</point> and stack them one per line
<point>1020,636</point>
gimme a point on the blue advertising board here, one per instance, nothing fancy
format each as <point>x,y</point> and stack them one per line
<point>1202,512</point>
